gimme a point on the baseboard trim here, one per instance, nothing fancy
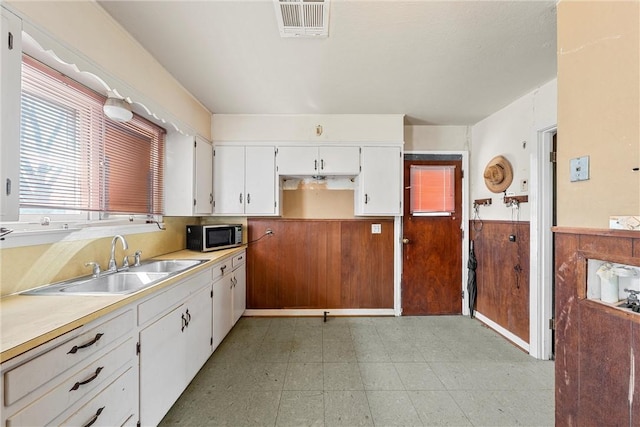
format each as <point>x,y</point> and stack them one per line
<point>502,331</point>
<point>320,312</point>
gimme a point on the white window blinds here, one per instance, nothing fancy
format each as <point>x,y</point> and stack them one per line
<point>72,157</point>
<point>432,190</point>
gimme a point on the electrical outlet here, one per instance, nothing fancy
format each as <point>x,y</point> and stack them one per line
<point>376,228</point>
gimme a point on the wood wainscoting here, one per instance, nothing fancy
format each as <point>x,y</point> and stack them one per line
<point>503,273</point>
<point>319,264</point>
<point>597,345</point>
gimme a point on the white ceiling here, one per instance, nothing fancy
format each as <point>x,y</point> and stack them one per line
<point>437,62</point>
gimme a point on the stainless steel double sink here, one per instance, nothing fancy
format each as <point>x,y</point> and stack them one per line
<point>127,281</point>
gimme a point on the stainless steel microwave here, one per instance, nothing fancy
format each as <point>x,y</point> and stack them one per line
<point>212,237</point>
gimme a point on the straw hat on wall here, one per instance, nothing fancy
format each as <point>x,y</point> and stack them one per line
<point>498,174</point>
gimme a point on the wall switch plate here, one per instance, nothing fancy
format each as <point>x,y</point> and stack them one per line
<point>376,228</point>
<point>524,185</point>
<point>579,169</point>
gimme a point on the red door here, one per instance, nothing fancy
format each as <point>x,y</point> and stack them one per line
<point>432,249</point>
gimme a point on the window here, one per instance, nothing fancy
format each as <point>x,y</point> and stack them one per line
<point>73,159</point>
<point>432,190</point>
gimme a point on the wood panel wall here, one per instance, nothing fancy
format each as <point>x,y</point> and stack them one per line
<point>595,343</point>
<point>319,264</point>
<point>503,273</point>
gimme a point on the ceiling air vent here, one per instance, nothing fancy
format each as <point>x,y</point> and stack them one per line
<point>303,18</point>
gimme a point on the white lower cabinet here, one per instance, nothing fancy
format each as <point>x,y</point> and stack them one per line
<point>229,295</point>
<point>111,407</point>
<point>67,380</point>
<point>222,308</point>
<point>130,366</point>
<point>239,291</point>
<point>174,347</point>
<point>162,354</point>
<point>199,334</point>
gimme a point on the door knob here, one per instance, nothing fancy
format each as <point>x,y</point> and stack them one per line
<point>405,241</point>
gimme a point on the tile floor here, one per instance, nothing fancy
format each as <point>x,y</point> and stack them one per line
<point>383,371</point>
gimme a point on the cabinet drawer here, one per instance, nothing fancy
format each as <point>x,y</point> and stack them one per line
<point>160,304</point>
<point>238,260</point>
<point>221,269</point>
<point>27,377</point>
<point>113,406</point>
<point>43,410</point>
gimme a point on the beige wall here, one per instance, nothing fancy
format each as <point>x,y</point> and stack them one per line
<point>89,30</point>
<point>436,138</point>
<point>599,110</point>
<point>30,266</point>
<point>511,132</point>
<point>302,127</point>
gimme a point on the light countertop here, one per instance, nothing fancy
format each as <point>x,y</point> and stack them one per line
<point>27,321</point>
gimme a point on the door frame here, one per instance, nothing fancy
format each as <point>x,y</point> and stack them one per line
<point>464,226</point>
<point>541,246</point>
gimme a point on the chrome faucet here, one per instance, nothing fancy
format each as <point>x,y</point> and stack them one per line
<point>95,268</point>
<point>113,267</point>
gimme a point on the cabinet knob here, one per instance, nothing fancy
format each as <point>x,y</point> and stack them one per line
<point>405,241</point>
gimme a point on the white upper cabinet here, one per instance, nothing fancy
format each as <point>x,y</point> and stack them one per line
<point>318,160</point>
<point>379,185</point>
<point>188,176</point>
<point>260,181</point>
<point>203,177</point>
<point>10,63</point>
<point>228,179</point>
<point>245,180</point>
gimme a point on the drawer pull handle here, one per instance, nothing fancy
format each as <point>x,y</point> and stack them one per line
<point>188,317</point>
<point>75,348</point>
<point>222,269</point>
<point>184,323</point>
<point>88,380</point>
<point>95,418</point>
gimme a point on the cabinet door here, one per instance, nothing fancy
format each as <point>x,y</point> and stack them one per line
<point>162,358</point>
<point>239,292</point>
<point>198,312</point>
<point>298,160</point>
<point>203,177</point>
<point>179,175</point>
<point>10,62</point>
<point>228,180</point>
<point>378,187</point>
<point>222,309</point>
<point>260,181</point>
<point>339,160</point>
